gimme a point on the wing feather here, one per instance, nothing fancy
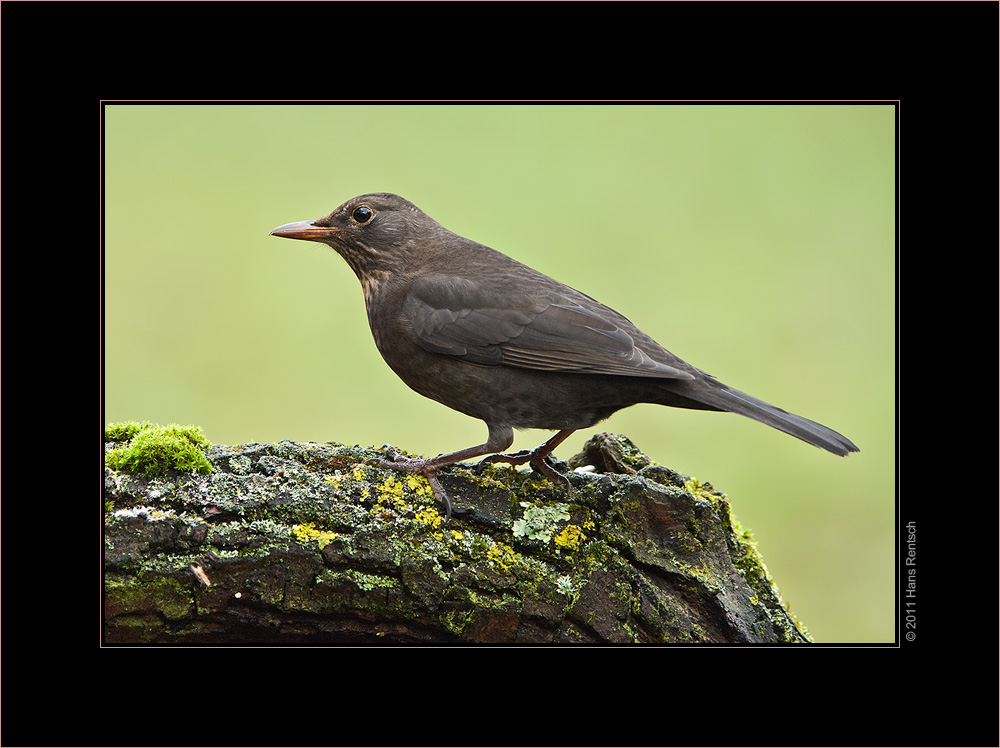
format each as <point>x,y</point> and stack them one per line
<point>550,331</point>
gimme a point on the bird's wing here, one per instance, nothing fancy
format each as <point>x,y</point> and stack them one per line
<point>547,331</point>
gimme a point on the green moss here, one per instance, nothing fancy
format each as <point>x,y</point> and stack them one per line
<point>122,432</point>
<point>149,593</point>
<point>153,450</point>
<point>703,490</point>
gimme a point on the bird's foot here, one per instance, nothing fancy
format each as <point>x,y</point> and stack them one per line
<point>537,458</point>
<point>426,467</point>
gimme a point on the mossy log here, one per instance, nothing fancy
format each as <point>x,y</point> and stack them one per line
<point>295,542</point>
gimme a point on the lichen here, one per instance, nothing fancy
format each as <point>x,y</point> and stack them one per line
<point>539,522</point>
<point>308,532</point>
<point>429,516</point>
<point>151,514</point>
<point>564,585</point>
<point>570,538</point>
<point>419,485</point>
<point>399,493</point>
<point>369,582</point>
<point>503,556</point>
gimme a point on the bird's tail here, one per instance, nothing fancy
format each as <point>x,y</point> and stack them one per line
<point>713,395</point>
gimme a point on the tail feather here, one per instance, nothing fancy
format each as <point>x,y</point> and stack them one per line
<point>713,395</point>
<point>808,431</point>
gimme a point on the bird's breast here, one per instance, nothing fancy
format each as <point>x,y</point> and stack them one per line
<point>393,336</point>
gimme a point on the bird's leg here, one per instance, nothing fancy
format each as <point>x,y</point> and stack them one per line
<point>499,439</point>
<point>536,457</point>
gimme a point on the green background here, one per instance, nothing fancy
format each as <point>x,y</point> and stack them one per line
<point>754,241</point>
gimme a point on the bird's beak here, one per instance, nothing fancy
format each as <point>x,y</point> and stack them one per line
<point>304,230</point>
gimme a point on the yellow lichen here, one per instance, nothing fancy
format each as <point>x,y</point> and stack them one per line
<point>308,532</point>
<point>503,556</point>
<point>419,485</point>
<point>429,516</point>
<point>571,537</point>
<point>390,492</point>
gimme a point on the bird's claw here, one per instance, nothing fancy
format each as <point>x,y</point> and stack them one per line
<point>529,456</point>
<point>395,460</point>
<point>402,464</point>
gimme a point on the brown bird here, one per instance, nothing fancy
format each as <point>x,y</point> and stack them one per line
<point>482,333</point>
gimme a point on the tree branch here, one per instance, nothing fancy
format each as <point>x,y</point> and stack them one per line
<point>294,542</point>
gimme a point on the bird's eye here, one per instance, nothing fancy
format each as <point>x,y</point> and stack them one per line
<point>362,214</point>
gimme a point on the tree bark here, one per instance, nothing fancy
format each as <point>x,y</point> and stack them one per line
<point>295,542</point>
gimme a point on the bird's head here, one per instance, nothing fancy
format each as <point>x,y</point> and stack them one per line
<point>377,232</point>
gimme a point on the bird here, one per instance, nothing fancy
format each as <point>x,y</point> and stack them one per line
<point>490,337</point>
